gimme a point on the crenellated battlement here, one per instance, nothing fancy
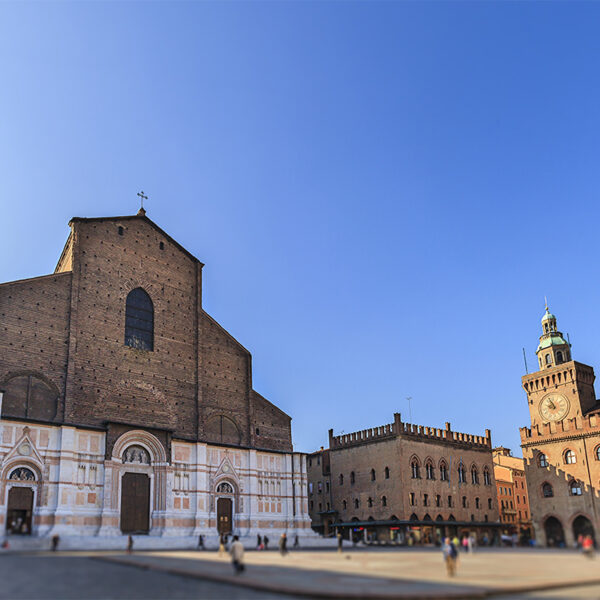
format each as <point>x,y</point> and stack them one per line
<point>576,425</point>
<point>363,436</point>
<point>399,428</point>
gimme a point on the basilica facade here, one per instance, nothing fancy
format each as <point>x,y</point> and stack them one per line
<point>126,409</point>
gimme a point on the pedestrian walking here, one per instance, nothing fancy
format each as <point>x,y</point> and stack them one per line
<point>237,555</point>
<point>266,542</point>
<point>340,541</point>
<point>587,546</point>
<point>201,542</point>
<point>296,542</point>
<point>283,550</point>
<point>450,555</point>
<point>221,545</point>
<point>471,543</point>
<point>55,540</point>
<point>259,542</point>
<point>129,544</point>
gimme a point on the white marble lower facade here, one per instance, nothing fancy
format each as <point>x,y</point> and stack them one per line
<point>74,489</point>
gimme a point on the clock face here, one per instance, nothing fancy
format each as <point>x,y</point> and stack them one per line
<point>554,407</point>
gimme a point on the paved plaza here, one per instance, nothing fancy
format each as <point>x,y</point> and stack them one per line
<point>385,573</point>
<point>372,573</point>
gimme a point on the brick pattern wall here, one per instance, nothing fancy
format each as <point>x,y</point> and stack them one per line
<point>69,327</point>
<point>34,322</point>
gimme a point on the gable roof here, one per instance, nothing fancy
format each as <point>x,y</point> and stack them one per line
<point>142,216</point>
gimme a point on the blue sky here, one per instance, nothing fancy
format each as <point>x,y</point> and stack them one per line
<point>383,193</point>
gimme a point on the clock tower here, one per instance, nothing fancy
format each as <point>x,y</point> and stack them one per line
<point>561,448</point>
<point>562,388</point>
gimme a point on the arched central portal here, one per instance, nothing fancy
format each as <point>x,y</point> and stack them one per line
<point>135,503</point>
<point>555,536</point>
<point>19,510</point>
<point>224,515</point>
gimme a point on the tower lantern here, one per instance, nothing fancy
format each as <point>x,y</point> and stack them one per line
<point>553,349</point>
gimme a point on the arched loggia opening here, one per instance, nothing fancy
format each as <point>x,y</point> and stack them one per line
<point>555,535</point>
<point>582,526</point>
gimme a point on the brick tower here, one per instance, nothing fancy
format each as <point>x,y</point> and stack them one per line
<point>562,447</point>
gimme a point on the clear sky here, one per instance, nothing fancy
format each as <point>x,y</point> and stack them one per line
<point>383,193</point>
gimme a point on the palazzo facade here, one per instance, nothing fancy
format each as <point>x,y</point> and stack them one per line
<point>404,483</point>
<point>126,409</point>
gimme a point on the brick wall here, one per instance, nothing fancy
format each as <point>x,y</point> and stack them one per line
<point>34,321</point>
<point>70,328</point>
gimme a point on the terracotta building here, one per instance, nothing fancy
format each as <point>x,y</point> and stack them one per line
<point>562,447</point>
<point>127,408</point>
<point>513,499</point>
<point>402,481</point>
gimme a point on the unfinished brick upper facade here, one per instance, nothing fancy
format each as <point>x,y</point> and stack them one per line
<point>68,329</point>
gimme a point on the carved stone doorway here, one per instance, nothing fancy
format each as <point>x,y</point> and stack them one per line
<point>135,503</point>
<point>224,515</point>
<point>19,510</point>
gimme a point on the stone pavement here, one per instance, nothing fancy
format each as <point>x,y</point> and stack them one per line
<point>66,577</point>
<point>381,574</point>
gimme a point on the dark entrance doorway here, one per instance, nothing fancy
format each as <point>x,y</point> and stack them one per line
<point>582,526</point>
<point>555,536</point>
<point>224,515</point>
<point>19,510</point>
<point>135,503</point>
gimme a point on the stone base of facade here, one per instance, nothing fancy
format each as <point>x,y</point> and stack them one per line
<point>58,480</point>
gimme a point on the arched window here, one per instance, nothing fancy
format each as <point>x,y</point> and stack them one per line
<point>547,490</point>
<point>341,479</point>
<point>443,471</point>
<point>383,501</point>
<point>429,471</point>
<point>548,359</point>
<point>220,428</point>
<point>559,357</point>
<point>570,457</point>
<point>356,503</point>
<point>474,475</point>
<point>414,466</point>
<point>597,452</point>
<point>29,396</point>
<point>575,488</point>
<point>387,470</point>
<point>462,476</point>
<point>490,503</point>
<point>139,320</point>
<point>476,502</point>
<point>352,478</point>
<point>344,504</point>
<point>370,502</point>
<point>464,501</point>
<point>438,500</point>
<point>487,480</point>
<point>542,460</point>
<point>373,476</point>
